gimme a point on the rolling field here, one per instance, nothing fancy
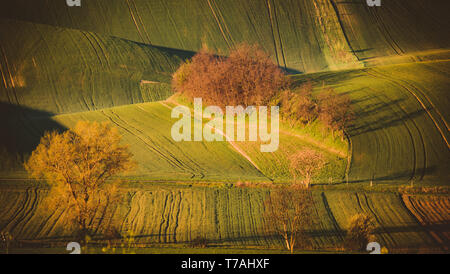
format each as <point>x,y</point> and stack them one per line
<point>170,214</point>
<point>295,40</point>
<point>433,214</point>
<point>59,70</point>
<point>147,128</point>
<point>301,35</point>
<point>113,62</point>
<point>401,131</point>
<point>390,102</point>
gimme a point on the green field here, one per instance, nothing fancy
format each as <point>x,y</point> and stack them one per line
<point>401,132</point>
<point>170,214</point>
<point>59,70</point>
<point>113,62</point>
<point>302,35</point>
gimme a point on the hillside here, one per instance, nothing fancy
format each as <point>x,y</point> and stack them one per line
<point>61,70</point>
<point>164,214</point>
<point>401,131</point>
<point>147,128</point>
<point>301,35</point>
<point>113,60</point>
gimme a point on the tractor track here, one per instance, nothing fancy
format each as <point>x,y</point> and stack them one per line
<point>376,74</point>
<point>219,24</point>
<point>422,219</point>
<point>175,163</point>
<point>134,20</point>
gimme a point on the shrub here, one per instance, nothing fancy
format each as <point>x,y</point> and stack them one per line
<point>6,238</point>
<point>359,233</point>
<point>299,107</point>
<point>247,77</point>
<point>334,110</point>
<point>199,242</point>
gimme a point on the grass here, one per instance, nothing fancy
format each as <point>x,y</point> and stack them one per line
<point>77,64</point>
<point>319,35</point>
<point>171,249</point>
<point>159,214</point>
<point>400,132</point>
<point>59,70</point>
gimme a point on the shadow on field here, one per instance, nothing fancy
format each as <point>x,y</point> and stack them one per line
<point>380,115</point>
<point>317,235</point>
<point>328,77</point>
<point>409,174</point>
<point>21,130</point>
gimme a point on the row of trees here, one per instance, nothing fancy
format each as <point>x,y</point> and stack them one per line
<point>302,107</point>
<point>249,77</point>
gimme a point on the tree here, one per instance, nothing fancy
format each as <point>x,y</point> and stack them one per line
<point>359,232</point>
<point>77,164</point>
<point>288,211</point>
<point>6,238</point>
<point>306,163</point>
<point>299,107</point>
<point>334,110</point>
<point>247,77</point>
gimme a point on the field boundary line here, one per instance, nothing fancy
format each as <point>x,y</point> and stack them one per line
<point>314,142</point>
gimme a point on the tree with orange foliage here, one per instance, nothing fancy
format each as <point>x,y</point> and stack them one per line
<point>246,77</point>
<point>299,107</point>
<point>335,111</point>
<point>77,164</point>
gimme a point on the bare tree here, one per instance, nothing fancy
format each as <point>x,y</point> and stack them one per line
<point>288,211</point>
<point>306,163</point>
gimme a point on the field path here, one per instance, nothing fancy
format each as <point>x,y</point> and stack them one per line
<point>233,144</point>
<point>316,143</point>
